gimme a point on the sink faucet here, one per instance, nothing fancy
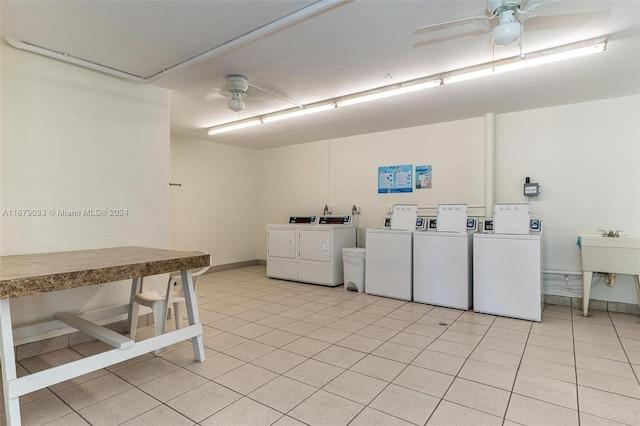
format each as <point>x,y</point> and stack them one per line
<point>611,233</point>
<point>618,232</point>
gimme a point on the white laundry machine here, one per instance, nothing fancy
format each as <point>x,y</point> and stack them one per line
<point>388,269</point>
<point>507,265</point>
<point>282,247</point>
<point>320,250</point>
<point>443,260</point>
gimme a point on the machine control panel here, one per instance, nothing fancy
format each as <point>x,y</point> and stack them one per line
<point>421,223</point>
<point>387,222</point>
<point>472,224</point>
<point>488,225</point>
<point>535,225</point>
<point>432,224</point>
<point>311,220</point>
<point>335,220</point>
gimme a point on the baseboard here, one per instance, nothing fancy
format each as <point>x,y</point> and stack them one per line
<point>234,265</point>
<point>599,305</point>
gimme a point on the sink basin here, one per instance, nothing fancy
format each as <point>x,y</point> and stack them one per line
<point>612,255</point>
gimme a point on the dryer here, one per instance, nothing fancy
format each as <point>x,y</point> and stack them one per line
<point>443,260</point>
<point>282,247</point>
<point>507,265</point>
<point>320,250</point>
<point>388,269</point>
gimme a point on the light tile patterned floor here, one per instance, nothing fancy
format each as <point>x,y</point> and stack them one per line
<point>286,353</point>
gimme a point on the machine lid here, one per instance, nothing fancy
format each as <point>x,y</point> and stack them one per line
<point>452,218</point>
<point>511,218</point>
<point>403,217</point>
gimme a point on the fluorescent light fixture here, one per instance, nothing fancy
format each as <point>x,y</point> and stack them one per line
<point>541,57</point>
<point>296,113</point>
<point>229,127</point>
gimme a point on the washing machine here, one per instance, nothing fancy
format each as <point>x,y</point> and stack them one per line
<point>507,265</point>
<point>320,250</point>
<point>282,247</point>
<point>443,260</point>
<point>388,269</point>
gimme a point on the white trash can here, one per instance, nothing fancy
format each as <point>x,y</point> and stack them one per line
<point>353,259</point>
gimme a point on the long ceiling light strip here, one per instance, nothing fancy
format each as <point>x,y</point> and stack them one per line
<point>533,59</point>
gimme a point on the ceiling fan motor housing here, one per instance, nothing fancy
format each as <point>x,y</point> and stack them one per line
<point>237,85</point>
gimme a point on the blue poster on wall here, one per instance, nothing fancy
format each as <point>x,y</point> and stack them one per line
<point>392,179</point>
<point>423,177</point>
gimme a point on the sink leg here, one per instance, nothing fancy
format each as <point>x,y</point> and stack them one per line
<point>637,277</point>
<point>586,291</point>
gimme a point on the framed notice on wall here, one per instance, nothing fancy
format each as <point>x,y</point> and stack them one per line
<point>423,177</point>
<point>393,179</point>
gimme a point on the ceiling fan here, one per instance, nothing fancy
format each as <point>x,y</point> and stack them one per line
<point>503,17</point>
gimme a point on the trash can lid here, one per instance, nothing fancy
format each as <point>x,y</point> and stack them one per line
<point>354,249</point>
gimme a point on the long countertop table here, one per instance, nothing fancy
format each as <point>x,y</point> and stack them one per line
<point>24,275</point>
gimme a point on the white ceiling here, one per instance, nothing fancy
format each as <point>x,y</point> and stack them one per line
<point>349,47</point>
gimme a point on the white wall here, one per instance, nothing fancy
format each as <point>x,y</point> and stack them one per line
<point>586,158</point>
<point>301,179</point>
<point>78,139</point>
<point>215,208</point>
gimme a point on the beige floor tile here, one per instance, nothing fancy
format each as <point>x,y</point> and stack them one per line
<point>553,370</point>
<point>418,308</point>
<point>369,417</point>
<point>119,408</point>
<point>477,318</point>
<point>246,378</point>
<point>601,351</point>
<point>42,411</point>
<point>451,348</point>
<point>551,355</point>
<point>469,327</point>
<point>460,337</point>
<point>506,346</point>
<point>275,321</point>
<point>546,389</point>
<point>360,343</point>
<point>448,414</point>
<point>73,382</point>
<point>355,387</point>
<point>223,341</point>
<point>72,419</point>
<point>553,327</point>
<point>277,338</point>
<point>377,310</point>
<point>94,391</point>
<point>630,344</point>
<point>551,342</point>
<point>314,373</point>
<point>426,381</point>
<point>603,365</point>
<point>529,411</point>
<point>412,340</point>
<point>337,312</point>
<point>512,324</point>
<point>448,313</point>
<point>146,371</point>
<point>251,330</point>
<point>393,323</point>
<point>300,328</point>
<point>407,404</point>
<point>215,365</point>
<point>425,330</point>
<point>606,382</point>
<point>324,408</point>
<point>480,397</point>
<point>184,356</point>
<point>282,393</point>
<point>243,412</point>
<point>306,347</point>
<point>495,357</point>
<point>172,384</point>
<point>630,331</point>
<point>380,368</point>
<point>55,358</point>
<point>249,350</point>
<point>228,323</point>
<point>363,317</point>
<point>288,421</point>
<point>397,352</point>
<point>295,313</point>
<point>377,332</point>
<point>506,334</point>
<point>589,420</point>
<point>203,401</point>
<point>596,339</point>
<point>329,335</point>
<point>159,416</point>
<point>438,361</point>
<point>404,315</point>
<point>339,356</point>
<point>279,361</point>
<point>488,374</point>
<point>320,318</point>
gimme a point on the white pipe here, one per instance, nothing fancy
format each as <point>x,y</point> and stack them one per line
<point>489,163</point>
<point>560,272</point>
<point>307,12</point>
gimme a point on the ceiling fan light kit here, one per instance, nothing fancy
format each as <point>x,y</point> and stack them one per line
<point>238,86</point>
<point>547,56</point>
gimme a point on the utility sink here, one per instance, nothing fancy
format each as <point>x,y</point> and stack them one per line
<point>613,255</point>
<point>616,255</point>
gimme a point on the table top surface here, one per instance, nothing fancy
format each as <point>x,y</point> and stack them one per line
<point>23,275</point>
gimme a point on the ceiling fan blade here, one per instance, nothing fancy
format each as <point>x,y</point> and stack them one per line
<point>565,21</point>
<point>450,24</point>
<point>450,37</point>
